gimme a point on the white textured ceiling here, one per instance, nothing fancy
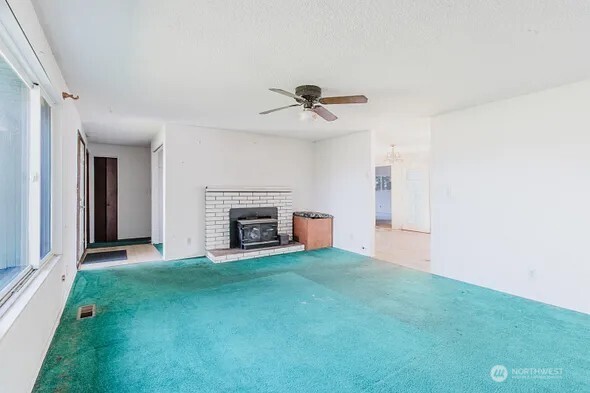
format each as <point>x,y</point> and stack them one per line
<point>138,63</point>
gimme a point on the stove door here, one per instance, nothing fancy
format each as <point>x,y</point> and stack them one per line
<point>268,232</point>
<point>251,233</point>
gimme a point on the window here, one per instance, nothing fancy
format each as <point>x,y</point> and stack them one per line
<point>45,224</point>
<point>14,103</point>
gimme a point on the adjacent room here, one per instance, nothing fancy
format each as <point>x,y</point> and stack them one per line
<point>374,196</point>
<point>119,205</point>
<point>402,195</point>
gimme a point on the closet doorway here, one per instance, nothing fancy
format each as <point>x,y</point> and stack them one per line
<point>105,199</point>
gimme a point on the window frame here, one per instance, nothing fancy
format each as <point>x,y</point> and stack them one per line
<point>17,52</point>
<point>52,206</point>
<point>12,285</point>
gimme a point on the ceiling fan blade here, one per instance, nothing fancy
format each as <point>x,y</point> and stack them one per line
<point>323,112</point>
<point>278,109</point>
<point>344,100</point>
<point>286,93</point>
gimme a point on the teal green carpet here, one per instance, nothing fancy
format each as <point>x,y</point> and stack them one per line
<point>320,321</point>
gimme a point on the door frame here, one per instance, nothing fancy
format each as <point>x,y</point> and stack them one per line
<point>81,143</point>
<point>157,194</point>
<point>390,166</point>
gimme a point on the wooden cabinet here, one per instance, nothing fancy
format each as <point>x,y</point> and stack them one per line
<point>314,233</point>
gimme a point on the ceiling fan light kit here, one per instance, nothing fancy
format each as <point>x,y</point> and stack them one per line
<point>307,115</point>
<point>310,98</point>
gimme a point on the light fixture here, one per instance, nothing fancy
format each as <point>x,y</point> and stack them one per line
<point>307,115</point>
<point>394,156</point>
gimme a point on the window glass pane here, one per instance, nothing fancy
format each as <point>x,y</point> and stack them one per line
<point>13,174</point>
<point>45,178</point>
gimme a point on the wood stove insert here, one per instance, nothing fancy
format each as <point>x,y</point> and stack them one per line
<point>252,228</point>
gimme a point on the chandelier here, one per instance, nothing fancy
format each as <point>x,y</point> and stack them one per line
<point>393,156</point>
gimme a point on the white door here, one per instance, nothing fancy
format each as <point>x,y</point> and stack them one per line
<point>417,199</point>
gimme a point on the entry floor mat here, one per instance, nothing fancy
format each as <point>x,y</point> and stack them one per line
<point>120,243</point>
<point>106,256</point>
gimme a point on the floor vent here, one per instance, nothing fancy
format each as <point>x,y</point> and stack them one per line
<point>87,311</point>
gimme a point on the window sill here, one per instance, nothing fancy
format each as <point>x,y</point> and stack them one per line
<point>18,301</point>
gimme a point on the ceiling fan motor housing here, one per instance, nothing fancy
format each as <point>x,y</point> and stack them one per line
<point>311,94</point>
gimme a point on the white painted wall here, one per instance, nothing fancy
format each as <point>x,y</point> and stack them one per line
<point>198,157</point>
<point>511,192</point>
<point>344,186</point>
<point>134,188</point>
<point>408,134</point>
<point>27,326</point>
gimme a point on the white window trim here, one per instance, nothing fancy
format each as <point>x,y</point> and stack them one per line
<point>22,292</point>
<point>34,208</point>
<point>21,56</point>
<point>52,246</point>
<point>16,50</point>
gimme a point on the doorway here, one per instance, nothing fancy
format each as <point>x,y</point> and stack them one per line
<point>383,213</point>
<point>105,199</point>
<point>402,209</point>
<point>161,196</point>
<point>158,198</point>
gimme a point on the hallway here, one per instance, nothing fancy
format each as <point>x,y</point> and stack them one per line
<point>405,248</point>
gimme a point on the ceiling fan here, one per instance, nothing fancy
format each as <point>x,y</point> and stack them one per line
<point>310,96</point>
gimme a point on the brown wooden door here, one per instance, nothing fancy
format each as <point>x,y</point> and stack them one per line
<point>105,199</point>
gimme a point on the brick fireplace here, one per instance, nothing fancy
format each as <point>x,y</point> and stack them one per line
<point>218,203</point>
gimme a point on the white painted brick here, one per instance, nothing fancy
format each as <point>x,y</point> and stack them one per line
<point>218,204</point>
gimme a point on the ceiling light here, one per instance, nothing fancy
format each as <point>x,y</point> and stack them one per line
<point>393,156</point>
<point>307,115</point>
